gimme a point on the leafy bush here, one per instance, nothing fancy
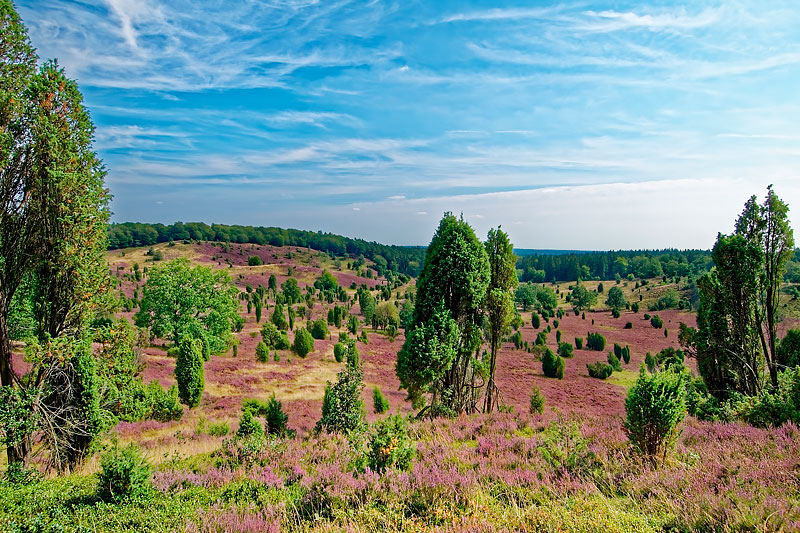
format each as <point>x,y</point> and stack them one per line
<point>379,401</point>
<point>389,445</point>
<point>615,312</point>
<point>595,341</point>
<point>262,352</point>
<point>535,322</point>
<point>628,325</point>
<point>165,405</point>
<point>626,354</point>
<point>552,365</point>
<point>249,426</point>
<point>342,408</point>
<point>303,342</point>
<point>635,307</point>
<point>541,338</point>
<point>650,362</point>
<point>254,260</point>
<point>339,351</point>
<point>579,343</point>
<point>565,350</point>
<point>789,348</point>
<point>189,371</point>
<point>599,370</point>
<point>275,418</point>
<point>558,336</point>
<point>124,474</point>
<point>772,406</point>
<point>613,361</point>
<point>220,429</point>
<point>270,334</point>
<point>537,401</point>
<point>516,338</point>
<point>319,329</point>
<point>655,405</point>
<point>283,342</point>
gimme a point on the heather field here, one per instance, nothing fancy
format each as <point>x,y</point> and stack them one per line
<point>571,468</point>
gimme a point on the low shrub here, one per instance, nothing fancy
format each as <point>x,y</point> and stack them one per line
<point>248,425</point>
<point>220,429</point>
<point>599,370</point>
<point>552,365</point>
<point>579,343</point>
<point>303,342</point>
<point>379,401</point>
<point>537,401</point>
<point>254,260</point>
<point>773,406</point>
<point>283,342</point>
<point>339,350</point>
<point>655,405</point>
<point>165,406</point>
<point>613,361</point>
<point>628,325</point>
<point>389,445</point>
<point>275,418</point>
<point>595,341</point>
<point>124,474</point>
<point>262,352</point>
<point>565,350</point>
<point>319,329</point>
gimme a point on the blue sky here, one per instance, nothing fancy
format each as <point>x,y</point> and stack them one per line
<point>587,125</point>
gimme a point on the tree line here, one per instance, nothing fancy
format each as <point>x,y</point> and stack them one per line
<point>400,259</point>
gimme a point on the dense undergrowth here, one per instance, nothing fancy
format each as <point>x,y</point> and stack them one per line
<point>479,473</point>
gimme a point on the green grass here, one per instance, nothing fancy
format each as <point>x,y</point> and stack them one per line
<point>624,379</point>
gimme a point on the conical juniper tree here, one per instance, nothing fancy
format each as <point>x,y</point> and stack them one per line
<point>437,360</point>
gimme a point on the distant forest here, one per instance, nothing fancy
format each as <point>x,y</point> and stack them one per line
<point>400,259</point>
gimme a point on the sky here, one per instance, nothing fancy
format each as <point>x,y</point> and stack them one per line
<point>576,125</point>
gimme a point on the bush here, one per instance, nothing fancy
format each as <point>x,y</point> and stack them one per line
<point>626,354</point>
<point>617,350</point>
<point>635,307</point>
<point>541,338</point>
<point>646,316</point>
<point>615,313</point>
<point>655,405</point>
<point>595,341</point>
<point>303,342</point>
<point>249,426</point>
<point>613,361</point>
<point>650,362</point>
<point>379,401</point>
<point>558,336</point>
<point>283,342</point>
<point>262,352</point>
<point>339,351</point>
<point>254,260</point>
<point>552,365</point>
<point>319,329</point>
<point>656,322</point>
<point>189,371</point>
<point>389,445</point>
<point>164,404</point>
<point>220,429</point>
<point>579,343</point>
<point>535,320</point>
<point>599,370</point>
<point>270,334</point>
<point>556,323</point>
<point>124,474</point>
<point>516,338</point>
<point>275,418</point>
<point>628,325</point>
<point>342,408</point>
<point>565,350</point>
<point>537,401</point>
<point>773,406</point>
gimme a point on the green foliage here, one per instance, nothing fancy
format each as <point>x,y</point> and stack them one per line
<point>626,354</point>
<point>537,401</point>
<point>291,292</point>
<point>565,350</point>
<point>616,298</point>
<point>339,350</point>
<point>367,303</point>
<point>342,408</point>
<point>552,365</point>
<point>669,300</point>
<point>283,342</point>
<point>595,341</point>
<point>386,314</point>
<point>635,307</point>
<point>262,352</point>
<point>275,418</point>
<point>249,426</point>
<point>613,361</point>
<point>531,295</point>
<point>599,370</point>
<point>655,406</point>
<point>254,260</point>
<point>628,325</point>
<point>124,474</point>
<point>379,401</point>
<point>319,329</point>
<point>178,299</point>
<point>278,318</point>
<point>303,342</point>
<point>535,321</point>
<point>773,406</point>
<point>389,445</point>
<point>656,322</point>
<point>164,403</point>
<point>789,349</point>
<point>579,343</point>
<point>650,362</point>
<point>189,371</point>
<point>541,338</point>
<point>270,334</point>
<point>582,298</point>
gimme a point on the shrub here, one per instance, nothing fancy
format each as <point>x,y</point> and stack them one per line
<point>635,307</point>
<point>628,325</point>
<point>276,356</point>
<point>249,426</point>
<point>650,362</point>
<point>339,351</point>
<point>613,361</point>
<point>595,341</point>
<point>599,370</point>
<point>164,404</point>
<point>666,332</point>
<point>262,352</point>
<point>615,313</point>
<point>558,336</point>
<point>535,322</point>
<point>275,418</point>
<point>389,445</point>
<point>565,350</point>
<point>656,322</point>
<point>270,334</point>
<point>220,429</point>
<point>772,406</point>
<point>516,338</point>
<point>646,316</point>
<point>552,365</point>
<point>342,408</point>
<point>626,354</point>
<point>579,343</point>
<point>556,323</point>
<point>303,342</point>
<point>655,405</point>
<point>189,371</point>
<point>319,329</point>
<point>537,401</point>
<point>541,338</point>
<point>283,342</point>
<point>379,401</point>
<point>617,350</point>
<point>124,474</point>
<point>254,260</point>
<point>391,332</point>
